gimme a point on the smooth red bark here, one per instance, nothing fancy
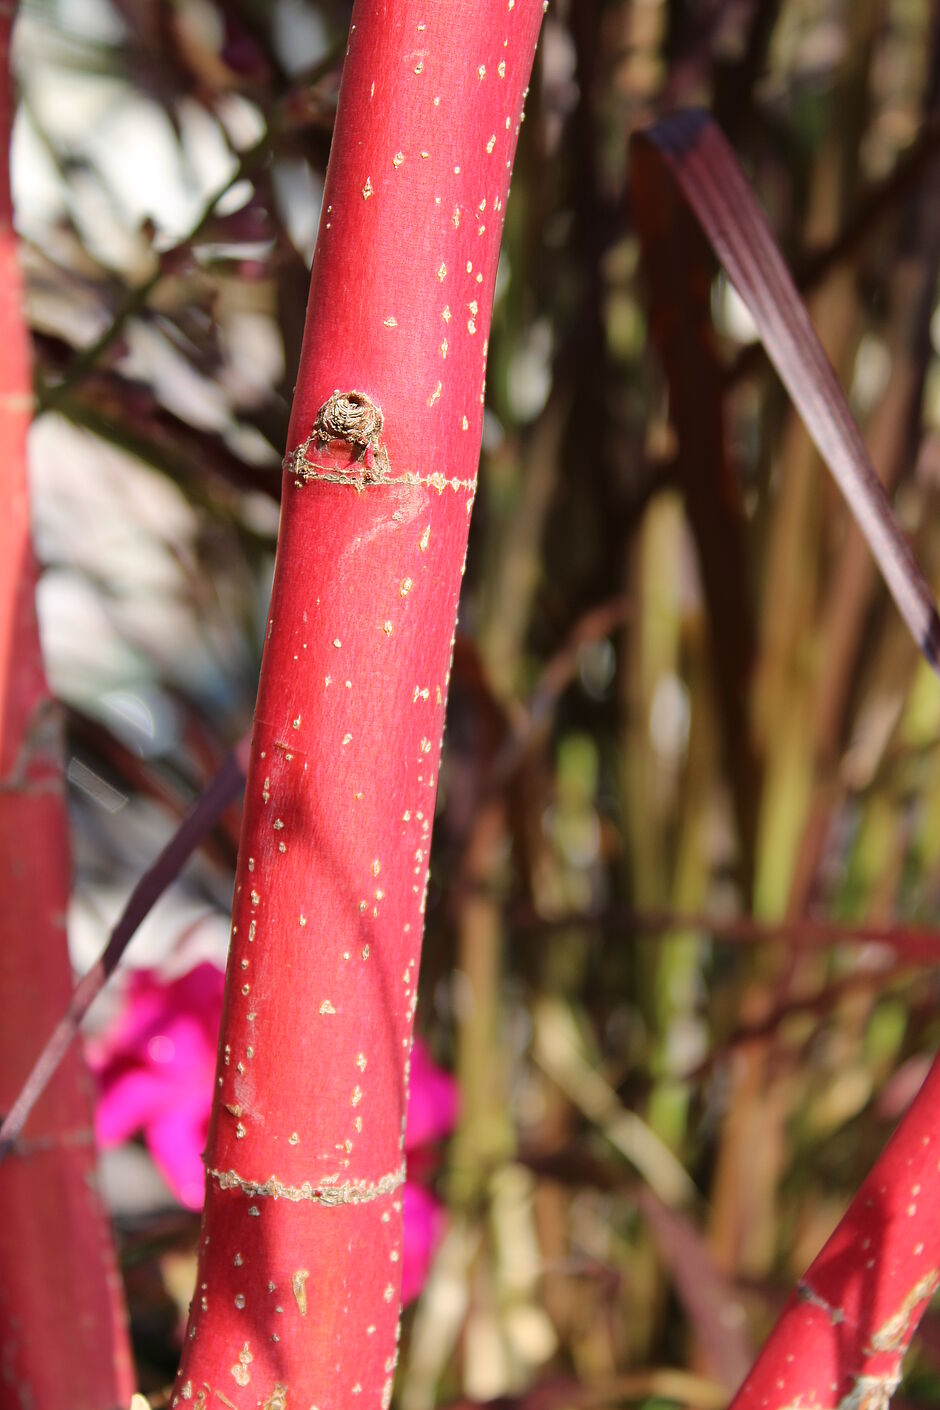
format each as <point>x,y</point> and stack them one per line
<point>842,1336</point>
<point>63,1343</point>
<point>297,1300</point>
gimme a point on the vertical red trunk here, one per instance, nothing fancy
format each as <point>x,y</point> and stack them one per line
<point>842,1337</point>
<point>298,1287</point>
<point>63,1342</point>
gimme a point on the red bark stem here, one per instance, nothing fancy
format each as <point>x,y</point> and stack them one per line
<point>841,1338</point>
<point>297,1298</point>
<point>196,825</point>
<point>63,1341</point>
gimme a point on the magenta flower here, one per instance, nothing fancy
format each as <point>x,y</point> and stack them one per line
<point>155,1072</point>
<point>432,1114</point>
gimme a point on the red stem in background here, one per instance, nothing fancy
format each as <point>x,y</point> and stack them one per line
<point>841,1338</point>
<point>163,871</point>
<point>298,1284</point>
<point>63,1342</point>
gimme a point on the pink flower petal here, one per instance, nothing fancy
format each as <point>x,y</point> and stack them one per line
<point>153,1003</point>
<point>127,1102</point>
<point>156,1066</point>
<point>423,1218</point>
<point>432,1100</point>
<point>176,1140</point>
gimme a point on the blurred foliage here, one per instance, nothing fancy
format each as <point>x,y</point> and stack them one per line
<point>681,698</point>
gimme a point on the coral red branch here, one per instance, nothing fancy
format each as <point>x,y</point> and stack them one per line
<point>63,1343</point>
<point>195,827</point>
<point>298,1292</point>
<point>842,1336</point>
